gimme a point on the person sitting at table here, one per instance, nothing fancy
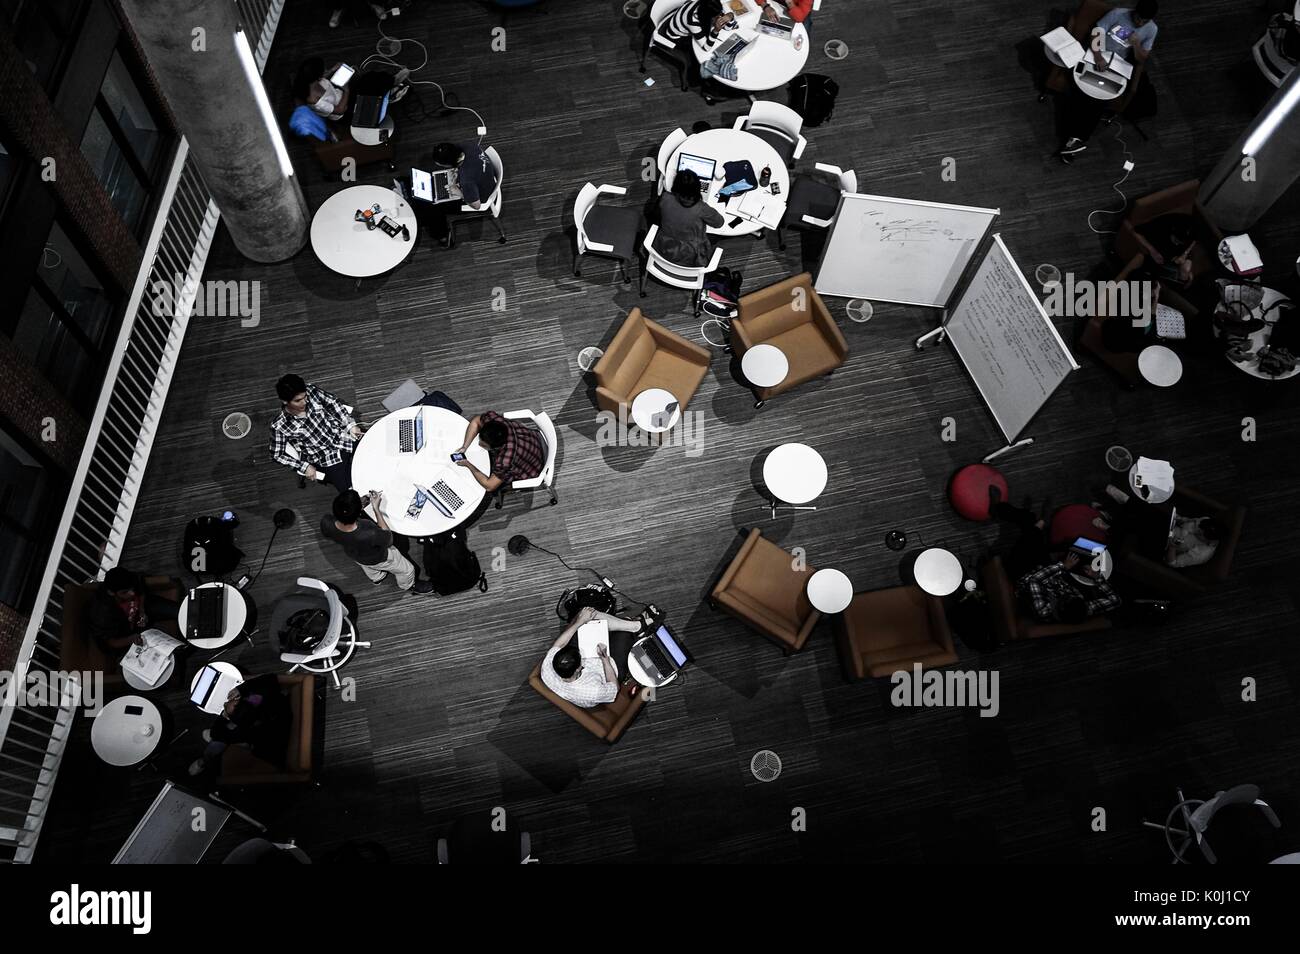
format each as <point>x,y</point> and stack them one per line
<point>121,608</point>
<point>1126,33</point>
<point>369,543</point>
<point>515,449</point>
<point>593,680</point>
<point>319,427</point>
<point>475,176</point>
<point>311,85</point>
<point>696,19</point>
<point>256,714</point>
<point>799,11</point>
<point>684,220</point>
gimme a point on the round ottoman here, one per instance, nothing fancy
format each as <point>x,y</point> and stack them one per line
<point>1073,521</point>
<point>968,491</point>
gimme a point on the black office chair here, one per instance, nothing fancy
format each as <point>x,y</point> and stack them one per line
<point>1196,814</point>
<point>814,201</point>
<point>609,231</point>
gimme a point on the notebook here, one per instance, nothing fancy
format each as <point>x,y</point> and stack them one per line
<point>1062,43</point>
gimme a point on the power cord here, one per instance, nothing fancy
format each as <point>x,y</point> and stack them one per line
<point>599,577</point>
<point>379,56</point>
<point>1123,199</point>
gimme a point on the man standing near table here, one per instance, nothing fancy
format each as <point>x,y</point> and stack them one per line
<point>369,543</point>
<point>516,450</point>
<point>319,427</point>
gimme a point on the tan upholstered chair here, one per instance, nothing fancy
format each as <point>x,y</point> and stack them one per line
<point>763,589</point>
<point>644,354</point>
<point>1181,199</point>
<point>1010,623</point>
<point>605,722</point>
<point>791,316</point>
<point>239,766</point>
<point>884,631</point>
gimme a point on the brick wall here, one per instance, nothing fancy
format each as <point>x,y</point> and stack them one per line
<point>27,399</point>
<point>12,626</point>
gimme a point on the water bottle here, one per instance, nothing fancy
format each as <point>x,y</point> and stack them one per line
<point>765,176</point>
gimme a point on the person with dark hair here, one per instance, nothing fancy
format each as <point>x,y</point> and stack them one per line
<point>516,449</point>
<point>594,680</point>
<point>122,608</point>
<point>311,86</point>
<point>317,425</point>
<point>369,543</point>
<point>476,181</point>
<point>696,19</point>
<point>256,714</point>
<point>684,221</point>
<point>1121,32</point>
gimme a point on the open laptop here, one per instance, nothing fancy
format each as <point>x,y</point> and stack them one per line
<point>662,654</point>
<point>702,166</point>
<point>733,45</point>
<point>206,618</point>
<point>407,435</point>
<point>434,187</point>
<point>779,29</point>
<point>442,495</point>
<point>211,684</point>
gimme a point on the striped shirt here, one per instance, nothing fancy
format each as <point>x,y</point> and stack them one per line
<point>681,23</point>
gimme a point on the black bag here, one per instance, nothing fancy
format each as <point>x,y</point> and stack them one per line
<point>812,96</point>
<point>451,566</point>
<point>720,295</point>
<point>595,595</point>
<point>438,399</point>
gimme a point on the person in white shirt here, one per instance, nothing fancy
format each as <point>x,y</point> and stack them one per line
<point>589,681</point>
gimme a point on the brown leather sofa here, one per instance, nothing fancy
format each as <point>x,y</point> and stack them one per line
<point>331,154</point>
<point>1009,623</point>
<point>809,338</point>
<point>883,631</point>
<point>1161,579</point>
<point>78,652</point>
<point>604,722</point>
<point>1179,198</point>
<point>1125,363</point>
<point>644,354</point>
<point>762,588</point>
<point>239,766</point>
<point>1080,25</point>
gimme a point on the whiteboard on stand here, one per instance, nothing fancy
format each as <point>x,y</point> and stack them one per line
<point>900,250</point>
<point>1007,341</point>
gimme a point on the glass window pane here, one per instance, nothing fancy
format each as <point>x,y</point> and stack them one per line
<point>44,338</point>
<point>124,189</point>
<point>66,274</point>
<point>127,106</point>
<point>24,496</point>
<point>22,482</point>
<point>40,44</point>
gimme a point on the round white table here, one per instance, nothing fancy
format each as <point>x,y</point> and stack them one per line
<point>830,591</point>
<point>764,366</point>
<point>125,738</point>
<point>217,701</point>
<point>236,617</point>
<point>794,473</point>
<point>937,571</point>
<point>769,61</point>
<point>1156,496</point>
<point>1160,366</point>
<point>138,684</point>
<point>655,410</point>
<point>1258,339</point>
<point>727,145</point>
<point>346,246</point>
<point>1087,82</point>
<point>640,675</point>
<point>374,136</point>
<point>378,465</point>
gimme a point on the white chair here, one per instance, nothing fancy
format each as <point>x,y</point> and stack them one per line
<point>777,125</point>
<point>670,145</point>
<point>490,207</point>
<point>658,43</point>
<point>546,478</point>
<point>605,230</point>
<point>812,203</point>
<point>1270,59</point>
<point>338,644</point>
<point>690,277</point>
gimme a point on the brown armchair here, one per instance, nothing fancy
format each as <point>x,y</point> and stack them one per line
<point>331,154</point>
<point>644,354</point>
<point>1009,623</point>
<point>1080,25</point>
<point>607,721</point>
<point>762,588</point>
<point>1185,582</point>
<point>884,631</point>
<point>1180,198</point>
<point>1125,363</point>
<point>239,766</point>
<point>809,337</point>
<point>78,652</point>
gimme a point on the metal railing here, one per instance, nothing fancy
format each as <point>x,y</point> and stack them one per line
<point>107,481</point>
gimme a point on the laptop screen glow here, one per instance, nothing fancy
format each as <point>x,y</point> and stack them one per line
<point>702,167</point>
<point>670,646</point>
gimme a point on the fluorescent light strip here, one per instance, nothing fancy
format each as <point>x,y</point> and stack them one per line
<point>1268,125</point>
<point>245,53</point>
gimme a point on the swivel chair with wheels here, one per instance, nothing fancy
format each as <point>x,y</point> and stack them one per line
<point>315,629</point>
<point>1196,815</point>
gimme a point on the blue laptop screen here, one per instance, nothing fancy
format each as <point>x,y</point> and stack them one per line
<point>670,646</point>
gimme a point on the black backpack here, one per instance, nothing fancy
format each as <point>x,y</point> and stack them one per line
<point>812,96</point>
<point>451,566</point>
<point>720,294</point>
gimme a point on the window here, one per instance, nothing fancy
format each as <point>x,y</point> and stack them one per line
<point>114,170</point>
<point>27,515</point>
<point>44,31</point>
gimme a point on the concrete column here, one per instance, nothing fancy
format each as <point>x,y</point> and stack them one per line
<point>1243,187</point>
<point>190,44</point>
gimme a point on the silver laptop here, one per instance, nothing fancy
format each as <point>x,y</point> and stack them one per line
<point>407,435</point>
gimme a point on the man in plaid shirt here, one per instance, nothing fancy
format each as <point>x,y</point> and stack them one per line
<point>516,450</point>
<point>1056,597</point>
<point>319,427</point>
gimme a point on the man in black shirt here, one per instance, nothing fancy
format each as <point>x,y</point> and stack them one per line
<point>370,544</point>
<point>475,175</point>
